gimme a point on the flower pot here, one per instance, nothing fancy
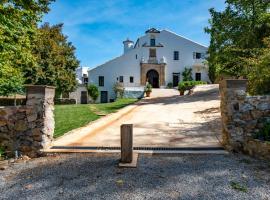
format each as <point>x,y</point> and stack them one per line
<point>182,93</point>
<point>148,93</point>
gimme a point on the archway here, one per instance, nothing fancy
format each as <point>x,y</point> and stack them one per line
<point>152,77</point>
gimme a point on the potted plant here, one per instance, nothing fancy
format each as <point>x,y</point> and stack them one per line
<point>181,88</point>
<point>148,89</point>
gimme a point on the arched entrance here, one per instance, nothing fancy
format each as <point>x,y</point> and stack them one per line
<point>152,77</point>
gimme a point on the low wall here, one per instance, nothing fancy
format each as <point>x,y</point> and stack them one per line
<point>134,92</point>
<point>64,101</point>
<point>28,129</point>
<point>242,117</point>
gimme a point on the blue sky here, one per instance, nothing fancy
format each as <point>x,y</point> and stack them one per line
<point>97,27</point>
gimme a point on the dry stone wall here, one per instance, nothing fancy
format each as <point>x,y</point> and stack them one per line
<point>242,117</point>
<point>29,129</point>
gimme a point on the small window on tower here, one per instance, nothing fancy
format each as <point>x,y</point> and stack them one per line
<point>121,79</point>
<point>152,42</point>
<point>131,79</point>
<point>136,56</point>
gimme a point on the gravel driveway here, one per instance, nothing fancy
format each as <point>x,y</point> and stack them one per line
<point>96,176</point>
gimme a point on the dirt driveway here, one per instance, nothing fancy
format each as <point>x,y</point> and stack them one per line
<point>165,120</point>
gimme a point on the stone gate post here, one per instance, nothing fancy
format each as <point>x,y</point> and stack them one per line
<point>231,92</point>
<point>40,116</point>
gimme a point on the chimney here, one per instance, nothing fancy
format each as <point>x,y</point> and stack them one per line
<point>128,45</point>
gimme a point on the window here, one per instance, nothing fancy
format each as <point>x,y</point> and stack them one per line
<point>197,55</point>
<point>85,80</point>
<point>176,55</point>
<point>198,76</point>
<point>152,53</point>
<point>152,42</point>
<point>101,80</point>
<point>121,79</point>
<point>131,79</point>
<point>136,56</point>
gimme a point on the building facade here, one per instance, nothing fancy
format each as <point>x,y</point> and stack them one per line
<point>158,57</point>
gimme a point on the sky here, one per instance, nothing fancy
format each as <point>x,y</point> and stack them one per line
<point>97,28</point>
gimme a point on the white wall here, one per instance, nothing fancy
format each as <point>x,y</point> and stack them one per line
<point>127,65</point>
<point>77,94</point>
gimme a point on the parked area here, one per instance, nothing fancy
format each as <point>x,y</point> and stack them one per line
<point>163,120</point>
<point>68,117</point>
<point>95,176</point>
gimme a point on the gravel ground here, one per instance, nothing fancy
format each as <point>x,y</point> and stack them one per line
<point>96,176</point>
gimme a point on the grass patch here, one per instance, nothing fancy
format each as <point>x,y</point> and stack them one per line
<point>68,117</point>
<point>112,107</point>
<point>238,186</point>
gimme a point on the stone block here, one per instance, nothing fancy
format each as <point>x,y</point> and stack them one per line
<point>246,107</point>
<point>2,112</point>
<point>25,149</point>
<point>3,122</point>
<point>256,114</point>
<point>263,106</point>
<point>21,125</point>
<point>31,117</point>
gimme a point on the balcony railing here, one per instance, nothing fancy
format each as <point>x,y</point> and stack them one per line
<point>154,60</point>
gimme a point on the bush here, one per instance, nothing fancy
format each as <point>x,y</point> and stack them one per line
<point>118,90</point>
<point>2,153</point>
<point>187,85</point>
<point>264,133</point>
<point>148,87</point>
<point>169,85</point>
<point>187,74</point>
<point>64,101</point>
<point>93,91</point>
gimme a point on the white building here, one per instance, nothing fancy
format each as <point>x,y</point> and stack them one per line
<point>82,75</point>
<point>80,94</point>
<point>158,57</point>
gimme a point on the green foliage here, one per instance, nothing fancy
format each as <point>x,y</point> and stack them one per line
<point>170,85</point>
<point>119,90</point>
<point>2,152</point>
<point>238,186</point>
<point>259,73</point>
<point>187,74</point>
<point>237,35</point>
<point>18,26</point>
<point>148,87</point>
<point>264,133</point>
<point>56,60</point>
<point>11,80</point>
<point>187,85</point>
<point>93,91</point>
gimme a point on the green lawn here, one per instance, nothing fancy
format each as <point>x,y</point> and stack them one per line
<point>68,117</point>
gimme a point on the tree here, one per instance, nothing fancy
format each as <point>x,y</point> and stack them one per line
<point>56,60</point>
<point>187,74</point>
<point>18,25</point>
<point>93,91</point>
<point>11,81</point>
<point>237,35</point>
<point>259,74</point>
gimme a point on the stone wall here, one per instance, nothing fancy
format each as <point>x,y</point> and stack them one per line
<point>28,129</point>
<point>242,115</point>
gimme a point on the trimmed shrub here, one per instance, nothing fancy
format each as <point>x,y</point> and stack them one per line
<point>119,90</point>
<point>93,91</point>
<point>264,133</point>
<point>188,85</point>
<point>170,85</point>
<point>148,87</point>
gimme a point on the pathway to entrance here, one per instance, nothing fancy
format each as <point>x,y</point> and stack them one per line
<point>165,120</point>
